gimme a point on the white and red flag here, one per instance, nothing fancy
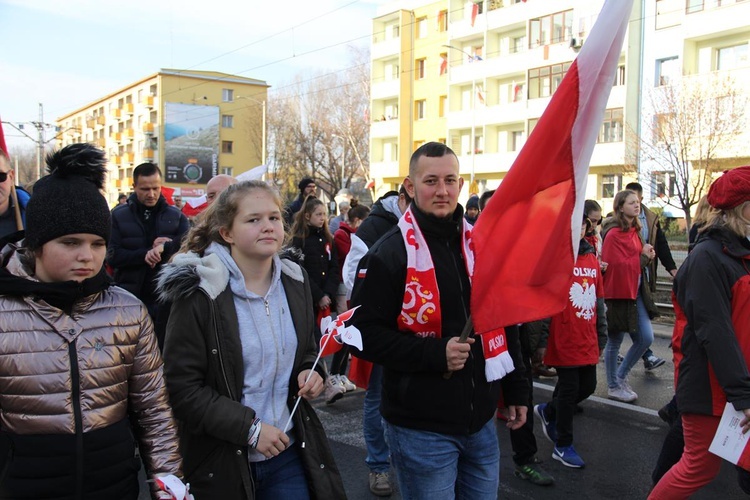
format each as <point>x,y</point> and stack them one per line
<point>526,240</point>
<point>193,207</point>
<point>336,334</point>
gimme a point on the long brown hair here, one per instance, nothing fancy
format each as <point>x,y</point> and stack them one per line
<point>619,218</point>
<point>301,227</point>
<point>221,214</point>
<point>731,219</point>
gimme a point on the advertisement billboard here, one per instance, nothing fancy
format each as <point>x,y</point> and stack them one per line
<point>191,142</point>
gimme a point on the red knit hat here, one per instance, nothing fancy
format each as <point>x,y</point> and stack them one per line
<point>731,189</point>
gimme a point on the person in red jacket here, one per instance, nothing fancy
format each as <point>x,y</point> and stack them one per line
<point>711,339</point>
<point>573,348</point>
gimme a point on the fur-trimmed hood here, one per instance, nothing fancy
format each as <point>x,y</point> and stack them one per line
<point>188,272</point>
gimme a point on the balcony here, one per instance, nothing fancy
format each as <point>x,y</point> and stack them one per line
<point>117,113</point>
<point>384,169</point>
<point>90,122</point>
<point>385,89</point>
<point>128,108</point>
<point>101,120</point>
<point>147,154</point>
<point>128,158</point>
<point>148,101</point>
<point>605,154</point>
<point>148,128</point>
<point>717,21</point>
<point>115,159</point>
<point>386,48</point>
<point>116,136</point>
<point>101,142</point>
<point>383,129</point>
<point>128,134</point>
<point>491,163</point>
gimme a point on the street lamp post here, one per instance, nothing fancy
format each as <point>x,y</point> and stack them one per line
<point>472,146</point>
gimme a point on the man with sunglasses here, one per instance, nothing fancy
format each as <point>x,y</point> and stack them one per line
<point>8,220</point>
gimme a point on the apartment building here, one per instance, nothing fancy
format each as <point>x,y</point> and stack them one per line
<point>193,124</point>
<point>477,75</point>
<point>699,47</point>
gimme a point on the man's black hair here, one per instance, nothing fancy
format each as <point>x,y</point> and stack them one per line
<point>145,170</point>
<point>431,150</point>
<point>635,186</point>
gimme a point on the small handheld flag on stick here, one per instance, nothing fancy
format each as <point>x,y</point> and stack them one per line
<point>333,329</point>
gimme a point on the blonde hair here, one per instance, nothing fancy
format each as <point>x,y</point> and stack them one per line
<point>731,219</point>
<point>617,204</point>
<point>221,214</point>
<point>702,211</point>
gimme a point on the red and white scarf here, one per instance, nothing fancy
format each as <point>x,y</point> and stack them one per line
<point>420,311</point>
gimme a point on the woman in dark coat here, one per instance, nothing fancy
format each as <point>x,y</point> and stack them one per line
<point>239,350</point>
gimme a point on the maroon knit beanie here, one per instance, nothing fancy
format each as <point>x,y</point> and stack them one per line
<point>731,189</point>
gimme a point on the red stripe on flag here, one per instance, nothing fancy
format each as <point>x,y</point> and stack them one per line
<point>3,146</point>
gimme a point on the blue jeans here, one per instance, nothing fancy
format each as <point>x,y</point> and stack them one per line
<point>372,424</point>
<point>642,340</point>
<point>280,477</point>
<point>433,466</point>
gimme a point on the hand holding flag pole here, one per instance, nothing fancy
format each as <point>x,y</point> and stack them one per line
<point>341,334</point>
<point>468,327</point>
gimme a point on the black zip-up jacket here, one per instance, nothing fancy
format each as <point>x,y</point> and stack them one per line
<point>320,263</point>
<point>131,241</point>
<point>415,393</point>
<point>379,222</point>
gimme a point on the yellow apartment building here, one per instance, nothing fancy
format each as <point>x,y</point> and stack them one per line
<point>478,74</point>
<point>193,124</point>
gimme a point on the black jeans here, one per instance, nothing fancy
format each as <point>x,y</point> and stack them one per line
<point>671,449</point>
<point>573,386</point>
<point>340,361</point>
<point>522,439</point>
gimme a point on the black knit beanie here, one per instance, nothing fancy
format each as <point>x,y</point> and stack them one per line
<point>306,181</point>
<point>69,200</point>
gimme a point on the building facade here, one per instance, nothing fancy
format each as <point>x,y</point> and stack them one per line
<point>478,74</point>
<point>193,124</point>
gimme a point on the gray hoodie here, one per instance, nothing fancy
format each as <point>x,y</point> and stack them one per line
<point>269,343</point>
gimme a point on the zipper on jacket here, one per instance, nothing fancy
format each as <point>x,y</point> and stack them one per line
<point>218,345</point>
<point>75,380</point>
<point>276,367</point>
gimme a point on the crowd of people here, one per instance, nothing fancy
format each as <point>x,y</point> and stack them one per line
<point>134,335</point>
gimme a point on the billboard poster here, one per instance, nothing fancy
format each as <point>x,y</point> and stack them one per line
<point>191,142</point>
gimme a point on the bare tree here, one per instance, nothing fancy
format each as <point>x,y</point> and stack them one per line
<point>696,125</point>
<point>317,127</point>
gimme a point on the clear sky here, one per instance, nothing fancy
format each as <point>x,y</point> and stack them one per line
<point>66,53</point>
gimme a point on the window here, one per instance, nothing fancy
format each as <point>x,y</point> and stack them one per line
<point>611,130</point>
<point>518,44</point>
<point>731,57</point>
<point>227,121</point>
<point>227,95</point>
<point>544,81</point>
<point>226,146</point>
<point>419,66</point>
<point>667,71</point>
<point>441,105</point>
<point>422,27</point>
<point>620,76</point>
<point>516,140</point>
<point>227,171</point>
<point>664,184</point>
<point>417,145</point>
<point>662,126</point>
<point>532,124</point>
<point>694,6</point>
<point>478,144</point>
<point>553,28</point>
<point>419,109</point>
<point>442,21</point>
<point>668,13</point>
<point>140,95</point>
<point>611,184</point>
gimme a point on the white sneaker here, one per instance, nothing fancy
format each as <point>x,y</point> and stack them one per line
<point>349,386</point>
<point>334,389</point>
<point>621,393</point>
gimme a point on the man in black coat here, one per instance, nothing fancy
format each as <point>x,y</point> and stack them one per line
<point>146,232</point>
<point>440,429</point>
<point>307,188</point>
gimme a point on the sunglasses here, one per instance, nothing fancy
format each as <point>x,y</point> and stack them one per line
<point>4,176</point>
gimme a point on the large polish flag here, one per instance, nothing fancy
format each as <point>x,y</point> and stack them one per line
<point>527,238</point>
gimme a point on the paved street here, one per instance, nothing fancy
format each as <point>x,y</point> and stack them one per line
<point>619,442</point>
